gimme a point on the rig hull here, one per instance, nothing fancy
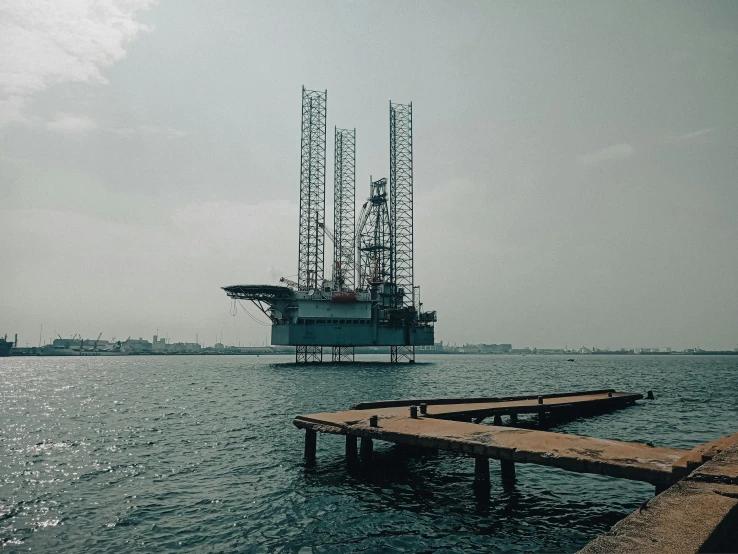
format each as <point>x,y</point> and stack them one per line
<point>325,333</point>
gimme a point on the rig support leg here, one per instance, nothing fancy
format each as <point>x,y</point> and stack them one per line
<point>481,470</point>
<point>311,440</point>
<point>367,446</point>
<point>351,454</point>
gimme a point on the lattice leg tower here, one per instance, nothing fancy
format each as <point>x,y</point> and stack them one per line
<point>309,355</point>
<point>342,354</point>
<point>401,354</point>
<point>312,190</point>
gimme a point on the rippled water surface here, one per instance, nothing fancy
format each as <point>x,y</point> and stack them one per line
<point>199,454</point>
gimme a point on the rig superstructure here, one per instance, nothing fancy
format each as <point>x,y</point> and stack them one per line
<point>370,298</point>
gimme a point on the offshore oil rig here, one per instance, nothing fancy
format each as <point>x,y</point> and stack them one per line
<point>370,298</point>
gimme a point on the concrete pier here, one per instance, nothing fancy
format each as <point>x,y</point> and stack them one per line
<point>697,514</point>
<point>696,507</point>
<point>445,427</point>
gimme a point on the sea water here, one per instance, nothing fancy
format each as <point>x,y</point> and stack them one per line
<point>199,453</point>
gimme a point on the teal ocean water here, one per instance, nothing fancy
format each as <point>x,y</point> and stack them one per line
<point>199,454</point>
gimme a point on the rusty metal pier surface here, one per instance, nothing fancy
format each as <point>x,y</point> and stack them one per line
<point>436,428</point>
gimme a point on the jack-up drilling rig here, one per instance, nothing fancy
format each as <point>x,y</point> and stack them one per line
<point>371,298</point>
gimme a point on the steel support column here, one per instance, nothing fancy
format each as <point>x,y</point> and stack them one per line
<point>400,354</point>
<point>308,354</point>
<point>342,354</point>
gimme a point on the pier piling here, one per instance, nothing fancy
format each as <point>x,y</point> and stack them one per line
<point>481,470</point>
<point>507,468</point>
<point>366,448</point>
<point>351,453</point>
<point>311,440</point>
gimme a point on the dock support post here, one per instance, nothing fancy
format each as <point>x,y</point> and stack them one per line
<point>311,440</point>
<point>481,470</point>
<point>661,487</point>
<point>507,468</point>
<point>366,449</point>
<point>351,454</point>
<point>497,420</point>
<point>513,418</point>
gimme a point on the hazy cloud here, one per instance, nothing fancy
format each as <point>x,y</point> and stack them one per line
<point>695,135</point>
<point>182,174</point>
<point>149,130</point>
<point>44,43</point>
<point>620,151</point>
<point>68,123</point>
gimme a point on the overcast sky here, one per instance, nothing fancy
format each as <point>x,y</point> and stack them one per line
<point>575,162</point>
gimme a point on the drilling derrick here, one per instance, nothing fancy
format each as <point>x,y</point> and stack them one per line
<point>401,191</point>
<point>375,242</point>
<point>312,190</point>
<point>370,300</point>
<point>344,182</point>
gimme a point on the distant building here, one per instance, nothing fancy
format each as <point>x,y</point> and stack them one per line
<point>159,345</point>
<point>486,348</point>
<point>134,346</point>
<point>183,347</point>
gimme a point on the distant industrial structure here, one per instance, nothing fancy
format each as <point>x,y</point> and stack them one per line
<point>370,298</point>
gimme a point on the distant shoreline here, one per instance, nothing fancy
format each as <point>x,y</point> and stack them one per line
<point>36,352</point>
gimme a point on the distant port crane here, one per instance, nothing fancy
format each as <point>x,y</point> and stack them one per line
<point>370,298</point>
